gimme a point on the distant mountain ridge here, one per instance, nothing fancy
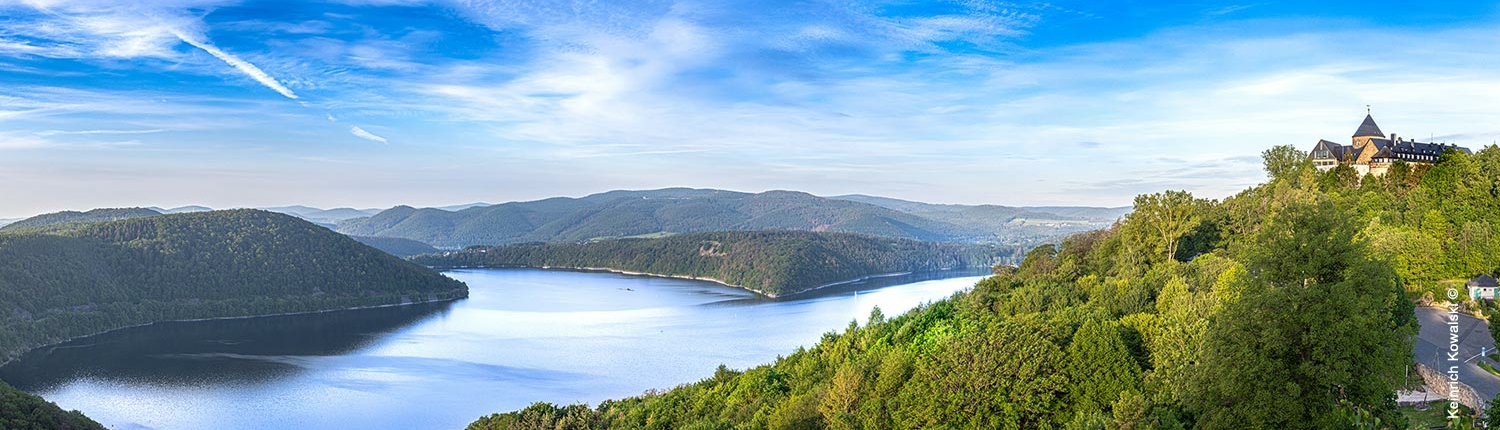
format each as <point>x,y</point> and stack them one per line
<point>1078,213</point>
<point>1001,218</point>
<point>618,214</point>
<point>323,216</point>
<point>654,213</point>
<point>56,219</point>
<point>621,214</point>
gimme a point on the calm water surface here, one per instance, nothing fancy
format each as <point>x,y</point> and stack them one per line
<point>522,336</point>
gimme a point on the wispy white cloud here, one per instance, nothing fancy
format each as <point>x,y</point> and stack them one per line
<point>362,134</point>
<point>946,102</point>
<point>86,132</point>
<point>110,30</point>
<point>11,141</point>
<point>243,66</point>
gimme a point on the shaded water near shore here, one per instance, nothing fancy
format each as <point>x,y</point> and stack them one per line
<point>524,335</point>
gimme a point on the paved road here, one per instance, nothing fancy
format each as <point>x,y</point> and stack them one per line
<point>1431,348</point>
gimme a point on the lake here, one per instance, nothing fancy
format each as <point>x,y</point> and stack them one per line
<point>522,336</point>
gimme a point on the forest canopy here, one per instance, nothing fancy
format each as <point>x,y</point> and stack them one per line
<point>1288,306</point>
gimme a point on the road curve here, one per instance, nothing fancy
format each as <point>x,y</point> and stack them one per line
<point>1431,348</point>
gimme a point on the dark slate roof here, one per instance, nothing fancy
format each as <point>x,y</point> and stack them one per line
<point>1405,149</point>
<point>1368,128</point>
<point>1336,150</point>
<point>1483,281</point>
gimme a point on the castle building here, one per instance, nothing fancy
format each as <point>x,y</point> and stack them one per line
<point>1372,152</point>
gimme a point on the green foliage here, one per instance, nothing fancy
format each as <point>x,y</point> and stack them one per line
<point>771,262</point>
<point>91,278</point>
<point>994,375</point>
<point>1283,306</point>
<point>1494,329</point>
<point>1285,162</point>
<point>1313,330</point>
<point>1492,415</point>
<point>22,411</point>
<point>1100,366</point>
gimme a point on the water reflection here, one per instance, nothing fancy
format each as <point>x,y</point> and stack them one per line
<point>522,336</point>
<point>229,351</point>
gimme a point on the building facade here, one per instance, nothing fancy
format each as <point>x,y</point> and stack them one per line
<point>1372,152</point>
<point>1483,287</point>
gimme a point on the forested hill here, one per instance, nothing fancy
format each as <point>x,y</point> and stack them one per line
<point>1285,306</point>
<point>396,246</point>
<point>618,214</point>
<point>66,219</point>
<point>97,277</point>
<point>773,263</point>
<point>22,411</point>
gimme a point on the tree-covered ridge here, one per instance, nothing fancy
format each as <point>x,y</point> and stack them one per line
<point>68,219</point>
<point>770,262</point>
<point>396,246</point>
<point>618,214</point>
<point>103,276</point>
<point>1281,307</point>
<point>22,411</point>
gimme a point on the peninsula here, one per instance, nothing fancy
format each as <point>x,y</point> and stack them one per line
<point>771,263</point>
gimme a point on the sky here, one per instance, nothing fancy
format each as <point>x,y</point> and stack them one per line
<point>376,103</point>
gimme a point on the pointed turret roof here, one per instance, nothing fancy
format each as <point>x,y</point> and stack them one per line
<point>1368,128</point>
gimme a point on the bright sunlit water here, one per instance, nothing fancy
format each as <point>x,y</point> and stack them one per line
<point>522,336</point>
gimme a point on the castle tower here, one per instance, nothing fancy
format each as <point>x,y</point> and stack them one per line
<point>1367,130</point>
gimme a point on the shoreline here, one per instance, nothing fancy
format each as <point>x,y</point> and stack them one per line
<point>693,278</point>
<point>658,275</point>
<point>355,308</point>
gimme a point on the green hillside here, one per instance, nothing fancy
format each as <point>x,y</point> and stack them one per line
<point>67,219</point>
<point>396,246</point>
<point>631,213</point>
<point>770,262</point>
<point>97,277</point>
<point>1283,307</point>
<point>22,411</point>
<point>1005,224</point>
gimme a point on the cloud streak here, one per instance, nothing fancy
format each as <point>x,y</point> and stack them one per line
<point>243,66</point>
<point>951,101</point>
<point>362,134</point>
<point>86,132</point>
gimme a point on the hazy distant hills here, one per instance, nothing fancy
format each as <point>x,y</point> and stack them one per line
<point>654,213</point>
<point>617,214</point>
<point>1059,213</point>
<point>52,220</point>
<point>323,216</point>
<point>994,218</point>
<point>182,210</point>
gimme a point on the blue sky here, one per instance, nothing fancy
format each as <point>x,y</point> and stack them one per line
<point>375,103</point>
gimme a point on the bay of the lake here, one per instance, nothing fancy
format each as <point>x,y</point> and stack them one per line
<point>522,336</point>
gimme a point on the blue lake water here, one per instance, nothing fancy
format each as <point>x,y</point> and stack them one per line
<point>522,336</point>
